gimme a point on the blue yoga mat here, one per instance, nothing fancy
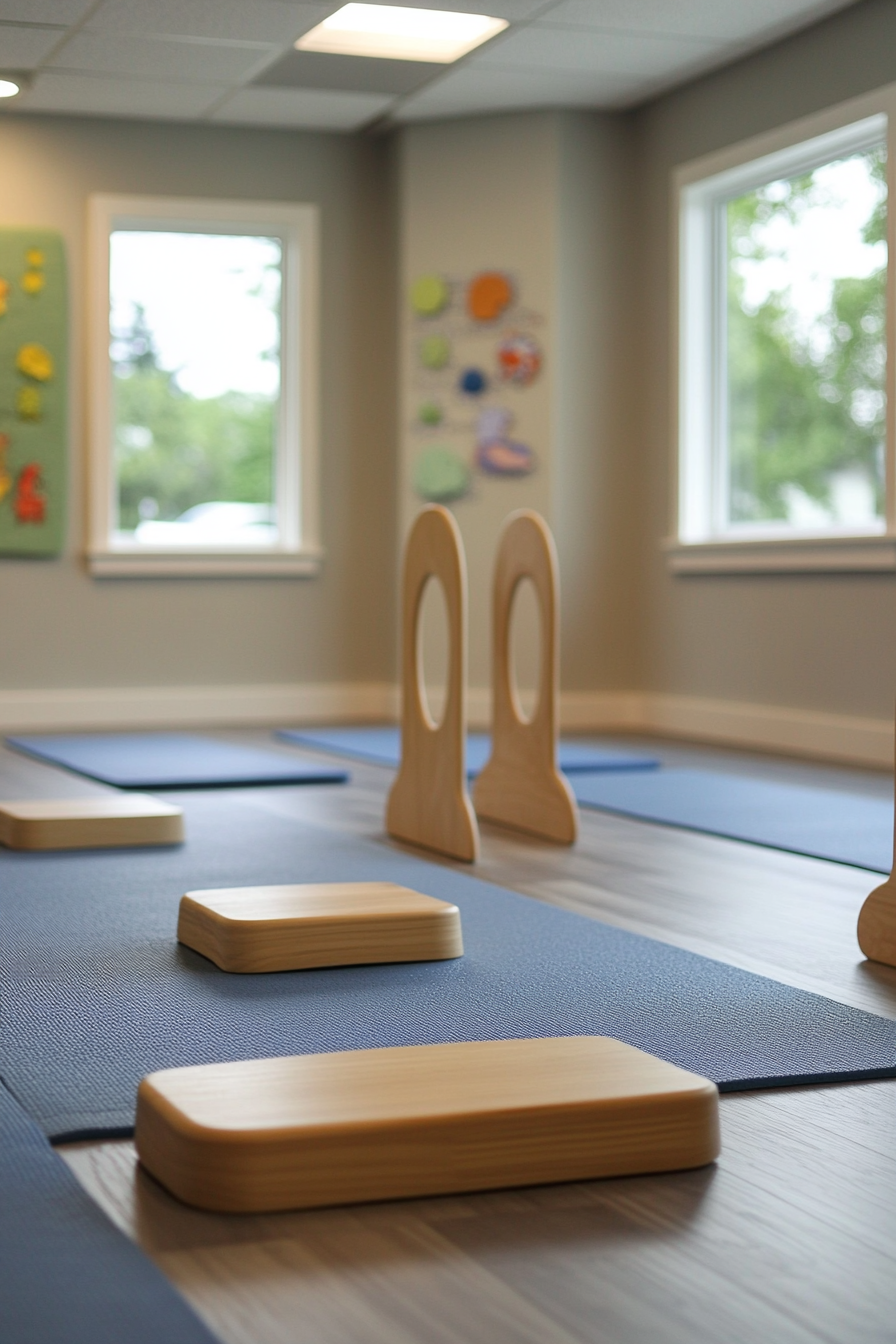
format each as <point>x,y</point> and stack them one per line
<point>68,1275</point>
<point>171,761</point>
<point>97,992</point>
<point>382,746</point>
<point>821,823</point>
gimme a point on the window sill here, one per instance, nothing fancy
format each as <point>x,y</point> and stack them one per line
<point>794,555</point>
<point>152,564</point>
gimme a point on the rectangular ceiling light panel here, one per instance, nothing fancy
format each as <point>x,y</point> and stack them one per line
<point>401,34</point>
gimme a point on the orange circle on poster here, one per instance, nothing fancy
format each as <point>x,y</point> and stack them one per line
<point>488,296</point>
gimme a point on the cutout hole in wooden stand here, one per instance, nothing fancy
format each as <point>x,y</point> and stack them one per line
<point>429,804</point>
<point>394,1123</point>
<point>521,785</point>
<point>525,648</point>
<point>432,653</point>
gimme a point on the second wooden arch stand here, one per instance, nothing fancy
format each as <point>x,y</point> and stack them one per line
<point>429,804</point>
<point>521,785</point>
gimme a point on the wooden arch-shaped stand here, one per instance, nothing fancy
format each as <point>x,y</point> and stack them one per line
<point>877,921</point>
<point>429,804</point>
<point>521,785</point>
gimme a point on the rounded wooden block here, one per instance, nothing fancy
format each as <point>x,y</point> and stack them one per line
<point>363,1125</point>
<point>291,928</point>
<point>877,924</point>
<point>108,821</point>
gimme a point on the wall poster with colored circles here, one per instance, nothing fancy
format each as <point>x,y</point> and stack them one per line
<point>33,401</point>
<point>476,351</point>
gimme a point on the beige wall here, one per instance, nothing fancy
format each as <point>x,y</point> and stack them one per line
<point>578,203</point>
<point>544,196</point>
<point>808,641</point>
<point>61,628</point>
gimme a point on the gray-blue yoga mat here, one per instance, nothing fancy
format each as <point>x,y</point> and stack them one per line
<point>68,1275</point>
<point>821,823</point>
<point>97,992</point>
<point>171,761</point>
<point>382,746</point>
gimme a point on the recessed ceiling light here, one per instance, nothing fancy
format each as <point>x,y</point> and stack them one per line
<point>401,34</point>
<point>8,88</point>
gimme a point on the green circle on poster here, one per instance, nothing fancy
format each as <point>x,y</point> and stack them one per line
<point>429,295</point>
<point>440,476</point>
<point>435,352</point>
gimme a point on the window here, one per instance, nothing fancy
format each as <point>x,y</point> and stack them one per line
<point>783,300</point>
<point>203,387</point>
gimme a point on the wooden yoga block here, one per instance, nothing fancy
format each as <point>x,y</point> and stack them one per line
<point>877,921</point>
<point>359,1125</point>
<point>429,804</point>
<point>521,785</point>
<point>292,928</point>
<point>108,821</point>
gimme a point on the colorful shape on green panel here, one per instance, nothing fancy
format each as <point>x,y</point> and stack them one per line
<point>434,351</point>
<point>35,362</point>
<point>429,295</point>
<point>30,504</point>
<point>430,413</point>
<point>33,282</point>
<point>28,405</point>
<point>441,476</point>
<point>5,477</point>
<point>33,391</point>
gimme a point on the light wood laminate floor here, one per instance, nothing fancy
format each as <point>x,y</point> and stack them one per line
<point>790,1237</point>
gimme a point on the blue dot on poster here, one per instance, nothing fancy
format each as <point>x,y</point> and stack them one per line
<point>473,382</point>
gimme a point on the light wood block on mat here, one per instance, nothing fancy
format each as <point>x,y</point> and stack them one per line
<point>362,1125</point>
<point>104,822</point>
<point>521,785</point>
<point>292,928</point>
<point>876,929</point>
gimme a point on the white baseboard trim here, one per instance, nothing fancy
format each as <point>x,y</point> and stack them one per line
<point>838,737</point>
<point>200,706</point>
<point>797,732</point>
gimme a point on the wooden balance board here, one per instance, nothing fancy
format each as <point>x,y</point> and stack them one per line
<point>293,928</point>
<point>359,1125</point>
<point>109,821</point>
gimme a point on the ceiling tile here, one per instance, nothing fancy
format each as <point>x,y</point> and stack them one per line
<point>721,19</point>
<point>471,90</point>
<point>158,58</point>
<point>62,12</point>
<point>513,10</point>
<point>92,95</point>
<point>21,48</point>
<point>223,20</point>
<point>358,74</point>
<point>313,109</point>
<point>538,48</point>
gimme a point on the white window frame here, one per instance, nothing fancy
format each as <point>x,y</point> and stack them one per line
<point>297,550</point>
<point>699,190</point>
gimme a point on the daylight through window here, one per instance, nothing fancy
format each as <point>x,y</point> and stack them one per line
<point>203,390</point>
<point>784,343</point>
<point>195,327</point>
